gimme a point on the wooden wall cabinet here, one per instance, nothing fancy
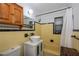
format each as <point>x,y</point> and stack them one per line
<point>4,13</point>
<point>11,13</point>
<point>17,14</point>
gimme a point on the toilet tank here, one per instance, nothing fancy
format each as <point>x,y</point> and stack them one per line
<point>11,52</point>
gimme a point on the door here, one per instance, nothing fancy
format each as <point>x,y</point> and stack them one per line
<point>4,13</point>
<point>18,14</point>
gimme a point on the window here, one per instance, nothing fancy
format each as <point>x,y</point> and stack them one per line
<point>58,23</point>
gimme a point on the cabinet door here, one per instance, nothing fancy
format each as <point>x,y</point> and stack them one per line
<point>18,14</point>
<point>4,13</point>
<point>12,13</point>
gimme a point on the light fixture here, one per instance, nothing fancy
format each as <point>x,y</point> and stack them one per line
<point>30,12</point>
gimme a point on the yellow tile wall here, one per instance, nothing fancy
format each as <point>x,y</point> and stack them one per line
<point>47,35</point>
<point>15,38</point>
<point>75,41</point>
<point>12,39</point>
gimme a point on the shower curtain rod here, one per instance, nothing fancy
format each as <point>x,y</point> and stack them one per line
<point>53,11</point>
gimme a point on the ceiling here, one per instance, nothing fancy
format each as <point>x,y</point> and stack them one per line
<point>40,8</point>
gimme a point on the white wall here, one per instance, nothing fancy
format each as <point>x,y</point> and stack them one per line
<point>39,8</point>
<point>50,17</point>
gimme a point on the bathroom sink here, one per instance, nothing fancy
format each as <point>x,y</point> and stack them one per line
<point>34,38</point>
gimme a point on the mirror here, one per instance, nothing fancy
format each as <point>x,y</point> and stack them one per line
<point>29,23</point>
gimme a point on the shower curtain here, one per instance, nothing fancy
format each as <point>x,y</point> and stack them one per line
<point>67,30</point>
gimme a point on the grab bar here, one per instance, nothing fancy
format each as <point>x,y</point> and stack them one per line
<point>74,36</point>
